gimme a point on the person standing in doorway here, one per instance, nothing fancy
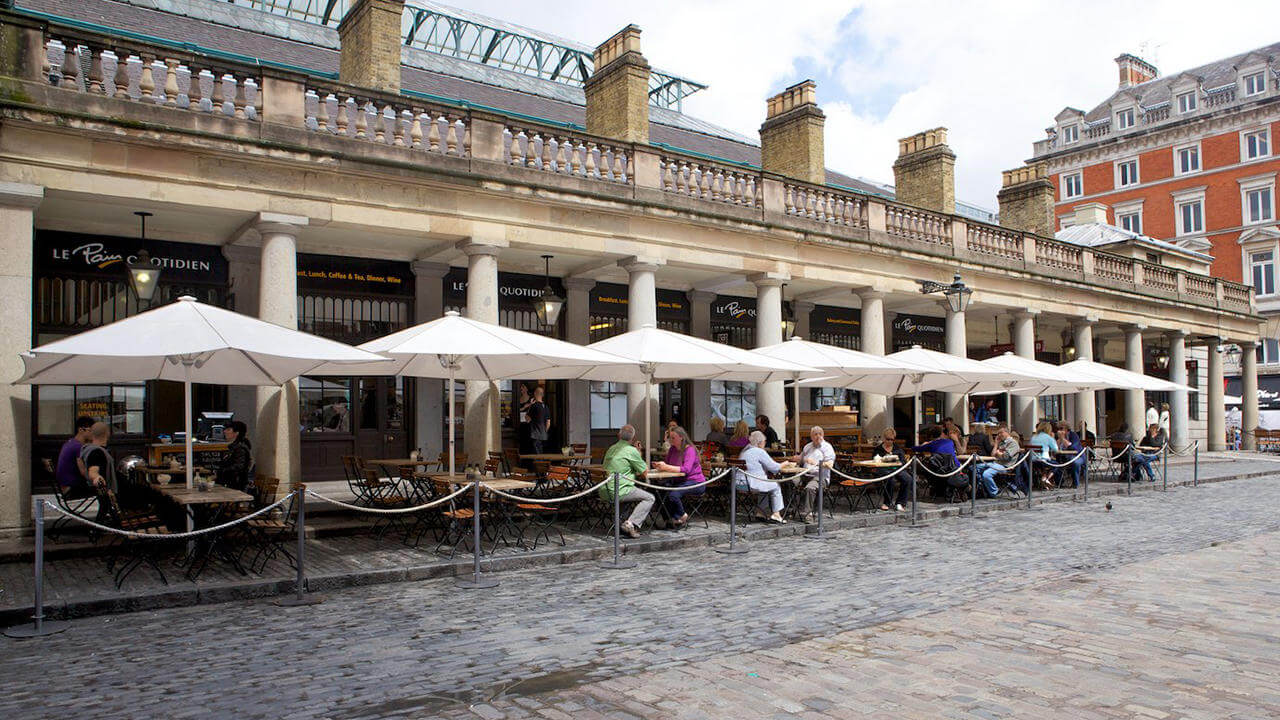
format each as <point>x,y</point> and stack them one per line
<point>539,421</point>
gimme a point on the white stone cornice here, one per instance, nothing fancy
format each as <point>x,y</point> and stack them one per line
<point>20,195</point>
<point>423,268</point>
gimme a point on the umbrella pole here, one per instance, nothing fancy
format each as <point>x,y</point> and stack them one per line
<point>186,403</point>
<point>452,412</point>
<point>795,408</point>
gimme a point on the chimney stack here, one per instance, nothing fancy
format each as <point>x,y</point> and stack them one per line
<point>1135,71</point>
<point>1090,213</point>
<point>924,174</point>
<point>791,138</point>
<point>618,89</point>
<point>369,36</point>
<point>1026,200</point>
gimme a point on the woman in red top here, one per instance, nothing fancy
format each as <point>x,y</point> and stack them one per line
<point>682,457</point>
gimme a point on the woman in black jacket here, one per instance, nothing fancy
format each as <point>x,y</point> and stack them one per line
<point>236,469</point>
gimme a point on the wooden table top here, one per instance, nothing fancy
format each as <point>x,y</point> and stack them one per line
<point>183,495</point>
<point>877,463</point>
<point>550,457</point>
<point>662,475</point>
<point>170,471</point>
<point>398,461</point>
<point>503,484</point>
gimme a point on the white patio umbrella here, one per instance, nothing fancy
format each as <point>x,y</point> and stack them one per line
<point>841,365</point>
<point>658,355</point>
<point>457,348</point>
<point>1043,378</point>
<point>1119,378</point>
<point>188,342</point>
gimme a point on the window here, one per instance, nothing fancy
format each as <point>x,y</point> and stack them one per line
<point>123,406</point>
<point>325,404</point>
<point>1155,258</point>
<point>1186,159</point>
<point>1070,134</point>
<point>1255,144</point>
<point>1186,102</point>
<point>1257,205</point>
<point>1124,119</point>
<point>1264,272</point>
<point>1127,173</point>
<point>1191,217</point>
<point>1131,221</point>
<point>1269,351</point>
<point>733,401</point>
<point>1072,186</point>
<point>1254,84</point>
<point>608,405</point>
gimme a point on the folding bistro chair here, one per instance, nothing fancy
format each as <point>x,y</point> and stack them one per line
<point>272,533</point>
<point>75,506</point>
<point>135,552</point>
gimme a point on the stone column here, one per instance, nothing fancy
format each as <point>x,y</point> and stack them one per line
<point>1179,410</point>
<point>577,329</point>
<point>1135,407</point>
<point>279,443</point>
<point>957,404</point>
<point>430,411</point>
<point>700,390</point>
<point>17,223</point>
<point>480,420</point>
<point>1024,345</point>
<point>1086,402</point>
<point>642,309</point>
<point>875,415</point>
<point>771,396</point>
<point>803,310</point>
<point>1248,394</point>
<point>1216,411</point>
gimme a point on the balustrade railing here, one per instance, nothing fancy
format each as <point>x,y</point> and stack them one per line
<point>824,206</point>
<point>997,242</point>
<point>1096,131</point>
<point>378,119</point>
<point>1156,115</point>
<point>916,224</point>
<point>708,181</point>
<point>1237,296</point>
<point>564,153</point>
<point>1113,267</point>
<point>149,75</point>
<point>1160,277</point>
<point>1221,96</point>
<point>1200,286</point>
<point>1062,255</point>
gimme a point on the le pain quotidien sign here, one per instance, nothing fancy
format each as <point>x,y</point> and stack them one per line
<point>927,332</point>
<point>61,253</point>
<point>514,289</point>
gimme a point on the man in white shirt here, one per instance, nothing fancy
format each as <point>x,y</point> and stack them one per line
<point>816,458</point>
<point>1153,415</point>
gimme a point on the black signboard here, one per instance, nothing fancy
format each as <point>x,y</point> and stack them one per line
<point>611,299</point>
<point>726,310</point>
<point>927,332</point>
<point>835,320</point>
<point>1268,391</point>
<point>63,253</point>
<point>354,275</point>
<point>514,289</point>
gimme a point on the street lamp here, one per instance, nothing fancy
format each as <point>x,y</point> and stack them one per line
<point>548,305</point>
<point>144,275</point>
<point>788,316</point>
<point>957,294</point>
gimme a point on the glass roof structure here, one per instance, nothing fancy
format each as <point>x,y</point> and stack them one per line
<point>457,33</point>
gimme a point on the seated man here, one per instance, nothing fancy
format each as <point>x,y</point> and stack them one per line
<point>897,489</point>
<point>940,461</point>
<point>1069,441</point>
<point>1120,441</point>
<point>624,459</point>
<point>752,478</point>
<point>817,459</point>
<point>1006,453</point>
<point>69,473</point>
<point>764,426</point>
<point>100,467</point>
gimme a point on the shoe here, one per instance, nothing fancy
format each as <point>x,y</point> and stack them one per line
<point>630,530</point>
<point>900,508</point>
<point>776,519</point>
<point>680,522</point>
<point>810,518</point>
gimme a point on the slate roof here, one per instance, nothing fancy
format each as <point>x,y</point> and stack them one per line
<point>1102,234</point>
<point>558,103</point>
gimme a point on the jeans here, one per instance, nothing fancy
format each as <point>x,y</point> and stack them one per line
<point>1143,463</point>
<point>675,500</point>
<point>988,472</point>
<point>644,503</point>
<point>897,489</point>
<point>811,489</point>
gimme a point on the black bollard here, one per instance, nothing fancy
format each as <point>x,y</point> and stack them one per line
<point>39,626</point>
<point>300,581</point>
<point>476,582</point>
<point>734,548</point>
<point>617,563</point>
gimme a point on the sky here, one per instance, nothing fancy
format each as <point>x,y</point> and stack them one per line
<point>993,72</point>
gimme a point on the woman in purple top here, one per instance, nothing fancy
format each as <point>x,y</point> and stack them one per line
<point>682,457</point>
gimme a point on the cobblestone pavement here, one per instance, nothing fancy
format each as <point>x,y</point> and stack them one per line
<point>1074,610</point>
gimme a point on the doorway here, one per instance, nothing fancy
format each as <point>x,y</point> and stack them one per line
<point>381,428</point>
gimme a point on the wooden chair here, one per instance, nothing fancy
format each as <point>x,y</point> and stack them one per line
<point>272,534</point>
<point>75,506</point>
<point>597,455</point>
<point>512,456</point>
<point>135,551</point>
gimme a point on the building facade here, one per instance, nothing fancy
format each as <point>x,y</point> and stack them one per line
<point>352,197</point>
<point>1187,158</point>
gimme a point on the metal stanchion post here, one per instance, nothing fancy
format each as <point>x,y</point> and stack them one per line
<point>476,582</point>
<point>1164,472</point>
<point>1085,475</point>
<point>973,490</point>
<point>617,563</point>
<point>1129,475</point>
<point>914,522</point>
<point>734,548</point>
<point>1195,477</point>
<point>300,582</point>
<point>38,626</point>
<point>820,535</point>
<point>1031,478</point>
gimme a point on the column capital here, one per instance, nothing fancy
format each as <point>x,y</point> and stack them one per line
<point>1085,320</point>
<point>269,222</point>
<point>424,268</point>
<point>768,279</point>
<point>803,306</point>
<point>1245,344</point>
<point>1131,328</point>
<point>578,283</point>
<point>1027,314</point>
<point>869,293</point>
<point>20,195</point>
<point>1177,334</point>
<point>471,246</point>
<point>641,263</point>
<point>701,296</point>
<point>242,254</point>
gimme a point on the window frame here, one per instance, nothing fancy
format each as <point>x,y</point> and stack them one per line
<point>1187,108</point>
<point>1066,183</point>
<point>1177,160</point>
<point>1270,263</point>
<point>1136,215</point>
<point>1247,78</point>
<point>1125,113</point>
<point>1119,166</point>
<point>1246,204</point>
<point>1199,216</point>
<point>1070,134</point>
<point>1264,133</point>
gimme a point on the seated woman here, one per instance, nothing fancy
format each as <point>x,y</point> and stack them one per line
<point>1068,440</point>
<point>741,433</point>
<point>752,478</point>
<point>235,470</point>
<point>717,434</point>
<point>898,487</point>
<point>1047,446</point>
<point>682,457</point>
<point>941,461</point>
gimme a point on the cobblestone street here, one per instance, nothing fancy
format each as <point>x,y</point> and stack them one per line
<point>1160,607</point>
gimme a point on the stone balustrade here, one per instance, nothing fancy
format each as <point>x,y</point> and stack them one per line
<point>1155,115</point>
<point>710,181</point>
<point>1160,277</point>
<point>1220,96</point>
<point>1102,129</point>
<point>345,112</point>
<point>125,71</point>
<point>825,206</point>
<point>1113,267</point>
<point>1053,253</point>
<point>1200,286</point>
<point>566,153</point>
<point>1236,295</point>
<point>916,224</point>
<point>995,241</point>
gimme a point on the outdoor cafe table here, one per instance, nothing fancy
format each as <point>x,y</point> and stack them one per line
<point>205,507</point>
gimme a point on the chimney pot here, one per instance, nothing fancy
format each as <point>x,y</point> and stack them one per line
<point>618,89</point>
<point>792,136</point>
<point>924,173</point>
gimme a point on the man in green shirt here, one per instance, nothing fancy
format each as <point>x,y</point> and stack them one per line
<point>624,459</point>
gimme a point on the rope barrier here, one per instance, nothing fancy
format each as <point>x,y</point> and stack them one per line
<point>167,536</point>
<point>1068,463</point>
<point>1186,450</point>
<point>390,511</point>
<point>668,488</point>
<point>769,479</point>
<point>904,467</point>
<point>545,501</point>
<point>955,472</point>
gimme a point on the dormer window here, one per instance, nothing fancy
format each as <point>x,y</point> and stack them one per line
<point>1124,119</point>
<point>1254,84</point>
<point>1186,102</point>
<point>1070,134</point>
